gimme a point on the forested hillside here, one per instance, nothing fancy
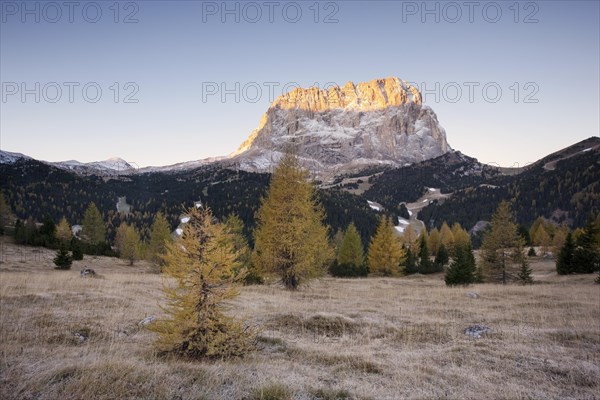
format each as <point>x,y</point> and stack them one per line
<point>563,186</point>
<point>35,189</point>
<point>565,191</point>
<point>449,172</point>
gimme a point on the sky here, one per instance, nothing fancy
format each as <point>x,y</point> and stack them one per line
<point>159,82</point>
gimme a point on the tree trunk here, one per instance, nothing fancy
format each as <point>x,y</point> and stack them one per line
<point>503,268</point>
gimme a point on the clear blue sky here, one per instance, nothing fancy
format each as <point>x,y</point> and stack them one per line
<point>545,51</point>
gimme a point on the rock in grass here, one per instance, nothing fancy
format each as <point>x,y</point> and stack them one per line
<point>476,331</point>
<point>87,272</point>
<point>146,321</point>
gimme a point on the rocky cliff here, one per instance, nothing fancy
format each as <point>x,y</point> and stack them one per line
<point>344,128</point>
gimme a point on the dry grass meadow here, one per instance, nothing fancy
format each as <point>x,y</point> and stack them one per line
<point>67,337</point>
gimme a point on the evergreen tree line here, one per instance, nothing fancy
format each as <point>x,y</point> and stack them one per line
<point>429,252</point>
<point>92,238</point>
<point>37,190</point>
<point>581,254</point>
<point>425,254</point>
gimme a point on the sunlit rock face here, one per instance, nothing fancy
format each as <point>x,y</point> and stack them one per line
<point>344,128</point>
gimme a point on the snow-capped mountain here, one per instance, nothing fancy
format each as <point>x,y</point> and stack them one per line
<point>110,166</point>
<point>378,122</point>
<point>114,164</point>
<point>6,157</point>
<point>183,166</point>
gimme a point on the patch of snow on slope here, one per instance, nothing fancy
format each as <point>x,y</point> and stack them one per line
<point>313,127</point>
<point>374,206</point>
<point>185,220</point>
<point>586,150</point>
<point>402,225</point>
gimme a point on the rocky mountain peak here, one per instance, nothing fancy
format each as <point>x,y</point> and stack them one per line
<point>365,96</point>
<point>347,128</point>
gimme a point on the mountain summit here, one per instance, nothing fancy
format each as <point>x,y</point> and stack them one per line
<point>343,128</point>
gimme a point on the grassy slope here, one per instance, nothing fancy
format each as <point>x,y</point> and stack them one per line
<point>369,338</point>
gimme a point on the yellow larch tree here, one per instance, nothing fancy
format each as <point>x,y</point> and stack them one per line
<point>202,265</point>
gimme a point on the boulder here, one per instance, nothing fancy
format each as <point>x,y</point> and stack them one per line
<point>476,331</point>
<point>87,272</point>
<point>146,321</point>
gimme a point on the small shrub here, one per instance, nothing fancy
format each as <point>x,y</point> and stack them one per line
<point>329,326</point>
<point>430,268</point>
<point>347,270</point>
<point>97,249</point>
<point>329,394</point>
<point>531,252</point>
<point>63,259</point>
<point>64,374</point>
<point>252,277</point>
<point>273,391</point>
<point>441,257</point>
<point>410,262</point>
<point>525,273</point>
<point>76,249</point>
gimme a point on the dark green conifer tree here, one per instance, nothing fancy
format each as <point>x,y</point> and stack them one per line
<point>63,259</point>
<point>462,268</point>
<point>564,261</point>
